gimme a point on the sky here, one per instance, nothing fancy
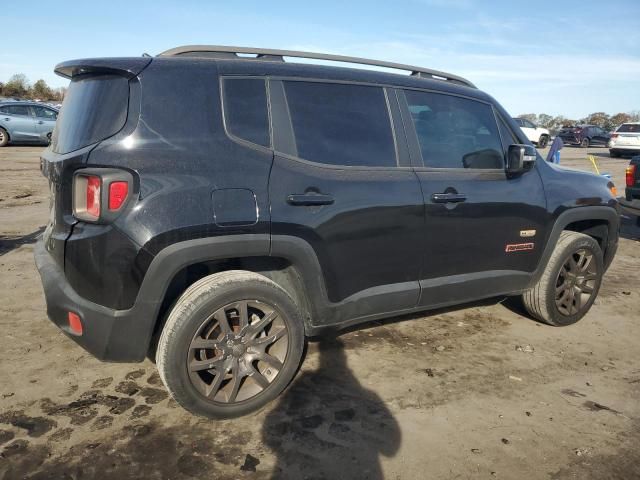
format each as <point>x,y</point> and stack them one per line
<point>565,57</point>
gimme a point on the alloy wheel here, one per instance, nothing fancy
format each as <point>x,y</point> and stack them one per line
<point>576,282</point>
<point>238,351</point>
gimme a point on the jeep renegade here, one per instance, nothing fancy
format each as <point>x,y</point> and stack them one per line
<point>211,210</point>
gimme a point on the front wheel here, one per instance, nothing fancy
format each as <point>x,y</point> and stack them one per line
<point>231,344</point>
<point>4,137</point>
<point>570,282</point>
<point>544,140</point>
<point>584,143</point>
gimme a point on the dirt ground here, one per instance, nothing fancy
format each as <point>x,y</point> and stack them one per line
<point>479,391</point>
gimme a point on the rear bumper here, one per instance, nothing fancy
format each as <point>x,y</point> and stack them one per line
<point>110,335</point>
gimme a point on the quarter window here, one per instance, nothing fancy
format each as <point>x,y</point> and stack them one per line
<point>340,124</point>
<point>455,132</point>
<point>245,109</point>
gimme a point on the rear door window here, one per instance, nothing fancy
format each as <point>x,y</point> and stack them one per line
<point>340,124</point>
<point>246,113</point>
<point>22,110</point>
<point>94,108</point>
<point>455,132</point>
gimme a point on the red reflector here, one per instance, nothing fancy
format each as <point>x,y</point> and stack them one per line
<point>74,323</point>
<point>93,196</point>
<point>630,175</point>
<point>118,192</point>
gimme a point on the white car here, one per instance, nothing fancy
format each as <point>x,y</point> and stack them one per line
<point>625,140</point>
<point>538,135</point>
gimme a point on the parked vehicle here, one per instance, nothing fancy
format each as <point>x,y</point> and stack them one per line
<point>26,122</point>
<point>584,136</point>
<point>632,190</point>
<point>536,135</point>
<point>270,201</point>
<point>625,140</point>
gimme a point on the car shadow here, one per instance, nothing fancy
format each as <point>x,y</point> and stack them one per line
<point>630,226</point>
<point>327,425</point>
<point>11,242</point>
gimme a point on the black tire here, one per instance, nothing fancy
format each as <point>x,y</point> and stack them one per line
<point>614,154</point>
<point>542,301</point>
<point>584,143</point>
<point>4,137</point>
<point>49,138</point>
<point>544,140</point>
<point>189,317</point>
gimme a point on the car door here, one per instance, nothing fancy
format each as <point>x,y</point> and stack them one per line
<point>599,136</point>
<point>483,232</point>
<point>19,122</point>
<point>531,131</point>
<point>45,121</point>
<point>341,184</point>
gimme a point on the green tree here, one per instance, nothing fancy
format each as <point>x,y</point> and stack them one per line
<point>41,91</point>
<point>545,120</point>
<point>532,117</point>
<point>618,119</point>
<point>17,86</point>
<point>599,119</point>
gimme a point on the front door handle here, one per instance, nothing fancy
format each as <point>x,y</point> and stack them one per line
<point>309,199</point>
<point>448,197</point>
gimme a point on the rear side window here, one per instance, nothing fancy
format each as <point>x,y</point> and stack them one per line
<point>16,110</point>
<point>94,108</point>
<point>246,114</point>
<point>340,124</point>
<point>455,132</point>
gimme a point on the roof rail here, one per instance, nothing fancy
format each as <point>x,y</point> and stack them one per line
<point>269,54</point>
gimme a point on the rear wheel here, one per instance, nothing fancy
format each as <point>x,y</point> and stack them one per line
<point>231,344</point>
<point>544,140</point>
<point>614,154</point>
<point>569,285</point>
<point>584,143</point>
<point>4,137</point>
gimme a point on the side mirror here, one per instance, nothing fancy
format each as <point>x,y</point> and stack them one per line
<point>520,158</point>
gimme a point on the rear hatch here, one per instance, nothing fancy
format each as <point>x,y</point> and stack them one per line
<point>570,132</point>
<point>627,134</point>
<point>95,107</point>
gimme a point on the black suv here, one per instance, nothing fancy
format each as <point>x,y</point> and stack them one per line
<point>213,210</point>
<point>585,136</point>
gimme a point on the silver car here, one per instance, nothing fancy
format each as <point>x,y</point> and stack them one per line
<point>26,122</point>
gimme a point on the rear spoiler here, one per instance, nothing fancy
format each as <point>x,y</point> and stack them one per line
<point>127,67</point>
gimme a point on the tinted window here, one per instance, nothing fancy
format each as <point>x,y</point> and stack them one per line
<point>245,107</point>
<point>519,122</point>
<point>528,124</point>
<point>340,124</point>
<point>45,113</point>
<point>94,108</point>
<point>629,127</point>
<point>17,110</point>
<point>455,132</point>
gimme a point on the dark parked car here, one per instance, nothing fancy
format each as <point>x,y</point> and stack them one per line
<point>584,136</point>
<point>267,201</point>
<point>26,122</point>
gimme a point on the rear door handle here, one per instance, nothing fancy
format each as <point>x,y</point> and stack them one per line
<point>448,197</point>
<point>309,199</point>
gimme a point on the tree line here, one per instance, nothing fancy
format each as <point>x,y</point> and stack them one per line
<point>18,86</point>
<point>599,119</point>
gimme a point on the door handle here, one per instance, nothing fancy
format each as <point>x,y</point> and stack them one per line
<point>309,199</point>
<point>448,197</point>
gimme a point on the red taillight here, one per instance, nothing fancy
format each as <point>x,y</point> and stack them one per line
<point>75,324</point>
<point>118,192</point>
<point>614,135</point>
<point>578,130</point>
<point>630,175</point>
<point>93,196</point>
